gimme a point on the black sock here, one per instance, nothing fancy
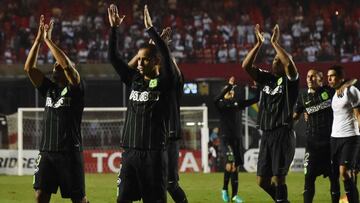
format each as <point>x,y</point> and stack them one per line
<point>177,193</point>
<point>355,185</point>
<point>309,188</point>
<point>335,189</point>
<point>350,190</point>
<point>234,183</point>
<point>226,180</point>
<point>281,193</point>
<point>270,189</point>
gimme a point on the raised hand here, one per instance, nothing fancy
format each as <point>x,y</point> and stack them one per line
<point>147,18</point>
<point>166,35</point>
<point>232,80</point>
<point>259,36</point>
<point>114,18</point>
<point>40,34</point>
<point>48,30</point>
<point>276,34</point>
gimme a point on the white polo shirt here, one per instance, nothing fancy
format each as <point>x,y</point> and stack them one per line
<point>344,123</point>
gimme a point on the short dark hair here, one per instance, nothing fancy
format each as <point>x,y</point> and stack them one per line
<point>339,70</point>
<point>151,47</point>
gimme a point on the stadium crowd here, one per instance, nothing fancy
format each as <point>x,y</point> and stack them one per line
<point>203,32</point>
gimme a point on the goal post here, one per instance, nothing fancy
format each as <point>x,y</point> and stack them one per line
<point>101,129</point>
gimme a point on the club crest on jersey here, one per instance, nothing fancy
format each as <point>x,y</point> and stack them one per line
<point>153,83</point>
<point>279,81</point>
<point>64,91</point>
<point>324,96</point>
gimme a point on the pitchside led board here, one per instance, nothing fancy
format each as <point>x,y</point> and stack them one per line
<point>109,161</point>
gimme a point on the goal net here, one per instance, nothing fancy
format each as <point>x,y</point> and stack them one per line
<point>101,129</point>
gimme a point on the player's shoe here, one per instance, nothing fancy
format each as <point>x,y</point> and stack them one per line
<point>237,199</point>
<point>225,195</point>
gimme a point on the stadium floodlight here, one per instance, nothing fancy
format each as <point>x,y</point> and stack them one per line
<point>101,129</point>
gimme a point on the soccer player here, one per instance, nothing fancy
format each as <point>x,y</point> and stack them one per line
<point>60,161</point>
<point>280,89</point>
<point>316,103</point>
<point>229,104</point>
<point>173,187</point>
<point>344,137</point>
<point>144,161</point>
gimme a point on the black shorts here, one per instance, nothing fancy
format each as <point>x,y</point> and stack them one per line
<point>277,149</point>
<point>232,152</point>
<point>317,162</point>
<point>143,176</point>
<point>173,163</point>
<point>60,169</point>
<point>344,151</point>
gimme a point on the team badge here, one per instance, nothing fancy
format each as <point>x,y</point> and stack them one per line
<point>153,83</point>
<point>279,81</point>
<point>64,91</point>
<point>324,96</point>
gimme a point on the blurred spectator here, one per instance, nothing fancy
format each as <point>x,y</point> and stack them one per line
<point>311,30</point>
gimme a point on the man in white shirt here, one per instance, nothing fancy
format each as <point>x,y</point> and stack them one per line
<point>344,138</point>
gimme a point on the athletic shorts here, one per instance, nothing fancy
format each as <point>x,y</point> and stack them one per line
<point>60,169</point>
<point>143,175</point>
<point>317,162</point>
<point>173,161</point>
<point>344,151</point>
<point>277,149</point>
<point>232,153</point>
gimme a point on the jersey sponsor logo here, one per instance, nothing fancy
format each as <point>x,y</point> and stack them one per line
<point>61,102</point>
<point>318,107</point>
<point>144,96</point>
<point>270,91</point>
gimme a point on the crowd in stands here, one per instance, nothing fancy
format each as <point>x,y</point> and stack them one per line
<point>218,31</point>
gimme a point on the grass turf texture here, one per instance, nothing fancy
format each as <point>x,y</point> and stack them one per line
<point>200,188</point>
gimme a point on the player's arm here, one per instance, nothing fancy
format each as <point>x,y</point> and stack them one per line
<point>248,63</point>
<point>121,68</point>
<point>167,71</point>
<point>340,91</point>
<point>357,115</point>
<point>285,58</point>
<point>35,75</point>
<point>248,102</point>
<point>299,108</point>
<point>133,62</point>
<point>219,99</point>
<point>72,75</point>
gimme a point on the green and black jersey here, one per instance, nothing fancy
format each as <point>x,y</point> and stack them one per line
<point>320,115</point>
<point>147,122</point>
<point>278,97</point>
<point>62,117</point>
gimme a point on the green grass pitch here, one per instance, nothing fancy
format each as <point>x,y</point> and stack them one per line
<point>200,188</point>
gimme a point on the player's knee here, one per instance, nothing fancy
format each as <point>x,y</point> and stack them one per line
<point>172,186</point>
<point>228,167</point>
<point>42,197</point>
<point>344,173</point>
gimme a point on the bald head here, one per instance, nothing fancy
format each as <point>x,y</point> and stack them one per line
<point>313,79</point>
